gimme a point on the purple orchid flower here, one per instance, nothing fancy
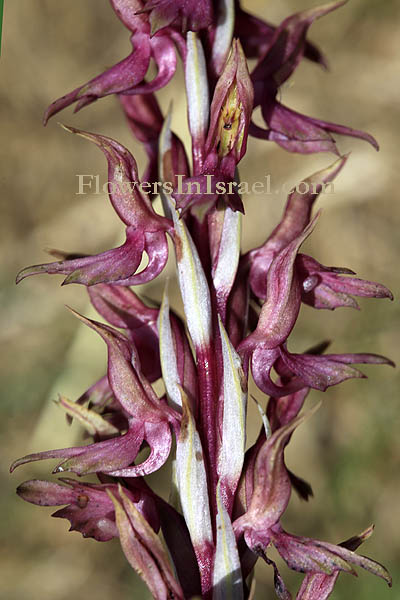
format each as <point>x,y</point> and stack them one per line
<point>318,586</point>
<point>145,120</point>
<point>238,311</point>
<point>189,15</point>
<point>260,523</point>
<point>226,139</point>
<point>127,76</point>
<point>321,287</point>
<point>256,35</point>
<point>145,231</point>
<point>149,419</point>
<point>291,130</point>
<point>90,510</point>
<point>324,287</point>
<point>267,344</point>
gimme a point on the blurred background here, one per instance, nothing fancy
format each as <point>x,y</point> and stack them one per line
<point>349,451</point>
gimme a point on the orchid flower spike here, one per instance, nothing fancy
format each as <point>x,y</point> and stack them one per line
<point>175,393</point>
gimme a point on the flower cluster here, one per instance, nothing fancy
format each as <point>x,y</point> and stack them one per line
<point>240,309</point>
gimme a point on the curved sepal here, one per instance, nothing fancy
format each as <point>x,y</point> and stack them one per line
<point>272,488</point>
<point>126,74</point>
<point>318,586</point>
<point>102,457</point>
<point>314,556</point>
<point>295,218</point>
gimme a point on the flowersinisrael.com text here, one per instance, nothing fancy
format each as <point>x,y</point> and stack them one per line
<point>90,184</point>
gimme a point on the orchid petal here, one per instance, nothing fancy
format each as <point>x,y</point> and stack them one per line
<point>164,54</point>
<point>317,586</point>
<point>308,555</point>
<point>296,216</point>
<point>256,35</point>
<point>130,388</point>
<point>110,266</point>
<point>300,133</point>
<point>272,487</point>
<point>121,307</point>
<point>331,290</point>
<point>159,438</point>
<point>156,248</point>
<point>321,372</point>
<point>127,73</point>
<point>288,44</point>
<point>89,509</point>
<point>131,205</point>
<point>282,304</point>
<point>262,363</point>
<point>145,231</point>
<point>102,456</point>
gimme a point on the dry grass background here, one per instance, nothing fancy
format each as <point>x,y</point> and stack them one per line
<point>350,449</point>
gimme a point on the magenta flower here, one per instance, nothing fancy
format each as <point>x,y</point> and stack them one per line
<point>186,14</point>
<point>260,523</point>
<point>145,231</point>
<point>321,287</point>
<point>291,130</point>
<point>177,386</point>
<point>127,76</point>
<point>324,287</point>
<point>145,120</point>
<point>148,418</point>
<point>225,145</point>
<point>89,508</point>
<point>256,35</point>
<point>318,586</point>
<point>267,343</point>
